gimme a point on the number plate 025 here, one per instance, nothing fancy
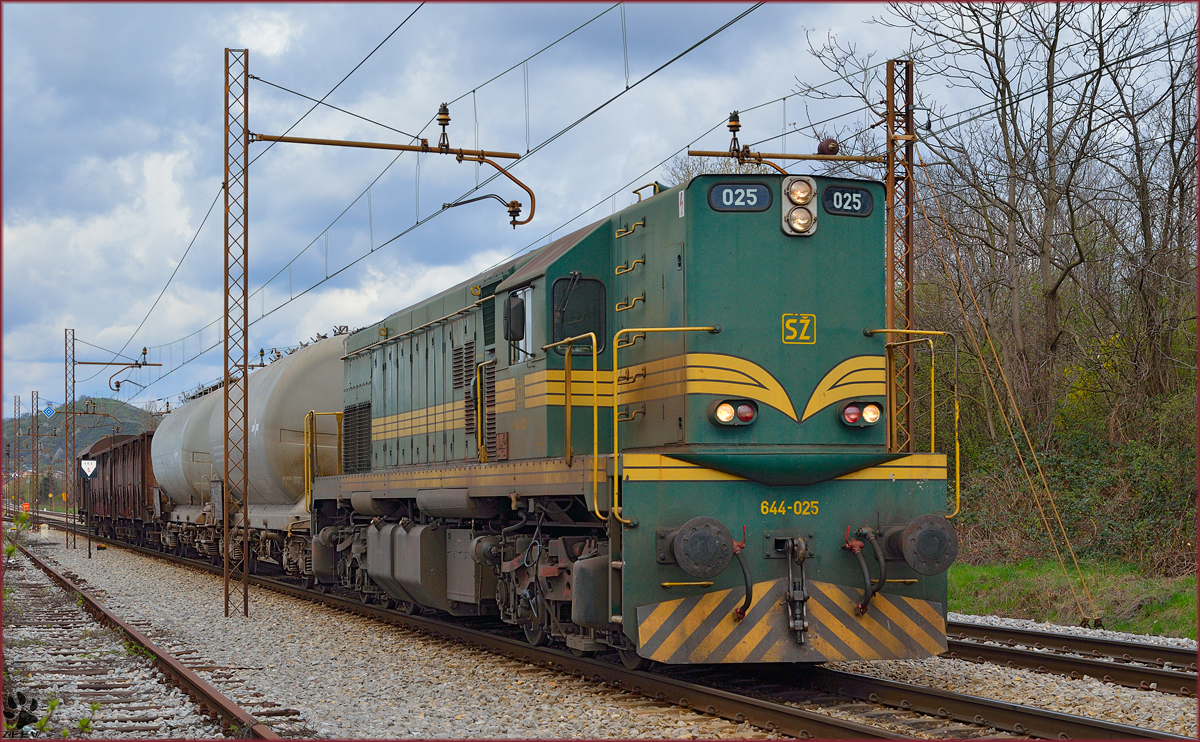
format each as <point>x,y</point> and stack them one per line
<point>848,201</point>
<point>739,197</point>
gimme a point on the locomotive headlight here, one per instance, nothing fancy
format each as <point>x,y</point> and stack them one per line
<point>860,414</point>
<point>800,192</point>
<point>800,218</point>
<point>733,412</point>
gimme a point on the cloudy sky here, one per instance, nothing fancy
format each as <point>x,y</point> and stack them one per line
<point>113,155</point>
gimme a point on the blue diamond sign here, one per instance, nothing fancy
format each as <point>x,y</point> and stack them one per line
<point>49,411</point>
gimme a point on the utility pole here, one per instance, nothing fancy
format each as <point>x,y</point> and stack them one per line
<point>900,185</point>
<point>16,482</point>
<point>235,477</point>
<point>35,483</point>
<point>70,466</point>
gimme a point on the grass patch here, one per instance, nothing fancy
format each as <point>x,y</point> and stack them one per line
<point>1038,590</point>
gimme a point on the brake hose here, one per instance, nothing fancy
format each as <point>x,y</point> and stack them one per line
<point>740,612</point>
<point>882,565</point>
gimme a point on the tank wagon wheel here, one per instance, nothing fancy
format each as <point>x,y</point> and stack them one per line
<point>537,637</point>
<point>632,660</point>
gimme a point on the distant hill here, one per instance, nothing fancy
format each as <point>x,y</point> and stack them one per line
<point>89,427</point>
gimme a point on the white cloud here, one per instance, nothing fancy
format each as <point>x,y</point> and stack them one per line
<point>266,32</point>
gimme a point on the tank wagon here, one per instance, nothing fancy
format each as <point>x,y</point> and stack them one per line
<point>188,456</point>
<point>666,433</point>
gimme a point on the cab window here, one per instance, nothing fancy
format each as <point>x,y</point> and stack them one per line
<point>578,307</point>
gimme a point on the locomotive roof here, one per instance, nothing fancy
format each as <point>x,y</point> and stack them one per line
<point>544,257</point>
<point>511,273</point>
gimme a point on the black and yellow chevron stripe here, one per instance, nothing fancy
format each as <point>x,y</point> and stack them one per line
<point>701,628</point>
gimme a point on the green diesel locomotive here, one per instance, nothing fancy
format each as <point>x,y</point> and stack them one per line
<point>664,434</point>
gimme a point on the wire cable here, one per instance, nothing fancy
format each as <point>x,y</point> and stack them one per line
<point>330,105</point>
<point>344,79</point>
<point>393,162</point>
<point>420,222</point>
<point>160,293</point>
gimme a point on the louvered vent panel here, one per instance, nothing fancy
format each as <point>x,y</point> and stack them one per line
<point>463,363</point>
<point>468,381</point>
<point>489,375</point>
<point>356,438</point>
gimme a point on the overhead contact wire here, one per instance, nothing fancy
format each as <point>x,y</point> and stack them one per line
<point>389,165</point>
<point>344,79</point>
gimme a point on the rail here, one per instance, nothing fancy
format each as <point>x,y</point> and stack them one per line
<point>615,506</point>
<point>311,464</point>
<point>722,694</point>
<point>891,396</point>
<point>229,713</point>
<point>567,451</point>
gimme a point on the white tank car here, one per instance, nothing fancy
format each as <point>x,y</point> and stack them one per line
<point>188,447</point>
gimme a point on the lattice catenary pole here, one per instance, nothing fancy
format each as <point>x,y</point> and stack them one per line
<point>900,132</point>
<point>235,475</point>
<point>70,466</point>
<point>16,482</point>
<point>35,483</point>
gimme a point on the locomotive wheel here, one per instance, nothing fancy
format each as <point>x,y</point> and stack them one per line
<point>632,660</point>
<point>580,652</point>
<point>407,608</point>
<point>537,637</point>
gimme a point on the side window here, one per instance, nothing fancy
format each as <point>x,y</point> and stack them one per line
<point>522,350</point>
<point>578,307</point>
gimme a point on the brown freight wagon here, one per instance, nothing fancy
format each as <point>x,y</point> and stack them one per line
<point>121,494</point>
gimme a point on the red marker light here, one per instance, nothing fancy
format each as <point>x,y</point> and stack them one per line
<point>851,414</point>
<point>745,413</point>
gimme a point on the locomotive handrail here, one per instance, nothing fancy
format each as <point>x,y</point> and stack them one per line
<point>890,369</point>
<point>595,411</point>
<point>932,411</point>
<point>615,507</point>
<point>310,452</point>
<point>481,412</point>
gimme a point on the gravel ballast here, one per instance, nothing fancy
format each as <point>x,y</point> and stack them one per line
<point>54,649</point>
<point>352,677</point>
<point>1084,697</point>
<point>1022,623</point>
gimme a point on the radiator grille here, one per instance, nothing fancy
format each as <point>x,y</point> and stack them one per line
<point>462,364</point>
<point>356,438</point>
<point>489,376</point>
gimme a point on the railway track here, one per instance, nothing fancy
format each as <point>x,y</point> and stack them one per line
<point>79,657</point>
<point>781,701</point>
